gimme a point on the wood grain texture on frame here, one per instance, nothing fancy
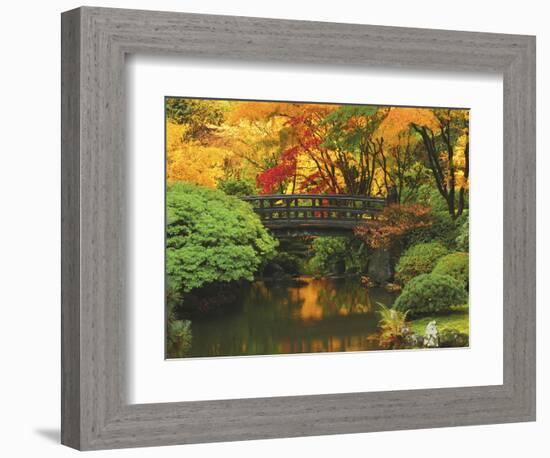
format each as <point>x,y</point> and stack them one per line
<point>95,411</point>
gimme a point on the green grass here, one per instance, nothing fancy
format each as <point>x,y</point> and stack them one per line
<point>457,319</point>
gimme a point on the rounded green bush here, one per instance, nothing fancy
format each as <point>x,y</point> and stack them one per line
<point>418,259</point>
<point>211,237</point>
<point>455,265</point>
<point>431,293</point>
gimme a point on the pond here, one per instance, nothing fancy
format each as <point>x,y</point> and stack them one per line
<point>303,315</point>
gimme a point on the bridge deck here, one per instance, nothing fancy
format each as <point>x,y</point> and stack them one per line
<point>314,213</point>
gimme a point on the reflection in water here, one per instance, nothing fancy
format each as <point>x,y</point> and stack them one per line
<point>301,316</point>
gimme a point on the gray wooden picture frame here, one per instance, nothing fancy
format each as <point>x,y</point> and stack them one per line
<point>95,412</point>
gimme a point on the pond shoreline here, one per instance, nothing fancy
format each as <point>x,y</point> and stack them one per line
<point>287,277</point>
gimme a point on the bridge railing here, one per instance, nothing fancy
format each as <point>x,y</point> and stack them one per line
<point>306,207</point>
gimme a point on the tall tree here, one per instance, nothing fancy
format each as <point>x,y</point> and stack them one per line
<point>447,147</point>
<point>354,146</point>
<point>402,171</point>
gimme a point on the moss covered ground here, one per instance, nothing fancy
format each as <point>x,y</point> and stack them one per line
<point>457,319</point>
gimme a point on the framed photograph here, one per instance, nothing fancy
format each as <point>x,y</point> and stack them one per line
<point>278,228</point>
<point>297,227</point>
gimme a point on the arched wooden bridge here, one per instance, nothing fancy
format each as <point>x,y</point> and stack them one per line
<point>314,214</point>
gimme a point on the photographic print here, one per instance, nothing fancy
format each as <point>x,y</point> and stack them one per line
<point>299,227</point>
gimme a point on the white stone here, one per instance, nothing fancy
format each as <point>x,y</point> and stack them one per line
<point>431,335</point>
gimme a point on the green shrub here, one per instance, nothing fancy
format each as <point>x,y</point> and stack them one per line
<point>443,229</point>
<point>456,265</point>
<point>431,293</point>
<point>178,338</point>
<point>236,187</point>
<point>328,251</point>
<point>463,238</point>
<point>290,263</point>
<point>451,337</point>
<point>211,237</point>
<point>337,255</point>
<point>418,259</point>
<point>430,196</point>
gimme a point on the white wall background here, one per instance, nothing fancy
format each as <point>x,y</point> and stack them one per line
<point>29,229</point>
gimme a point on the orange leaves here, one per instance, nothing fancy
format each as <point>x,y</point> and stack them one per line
<point>261,111</point>
<point>311,147</point>
<point>253,111</point>
<point>399,120</point>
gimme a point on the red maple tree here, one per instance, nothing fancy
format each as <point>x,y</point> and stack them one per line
<point>275,177</point>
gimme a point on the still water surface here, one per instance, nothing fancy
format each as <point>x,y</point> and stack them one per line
<point>305,315</point>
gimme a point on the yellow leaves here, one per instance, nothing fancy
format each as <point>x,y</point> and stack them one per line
<point>399,119</point>
<point>251,138</point>
<point>196,164</point>
<point>254,111</point>
<point>174,135</point>
<point>190,161</point>
<point>460,161</point>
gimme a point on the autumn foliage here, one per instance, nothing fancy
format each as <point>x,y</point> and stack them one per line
<point>398,177</point>
<point>395,222</point>
<point>287,148</point>
<point>273,179</point>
